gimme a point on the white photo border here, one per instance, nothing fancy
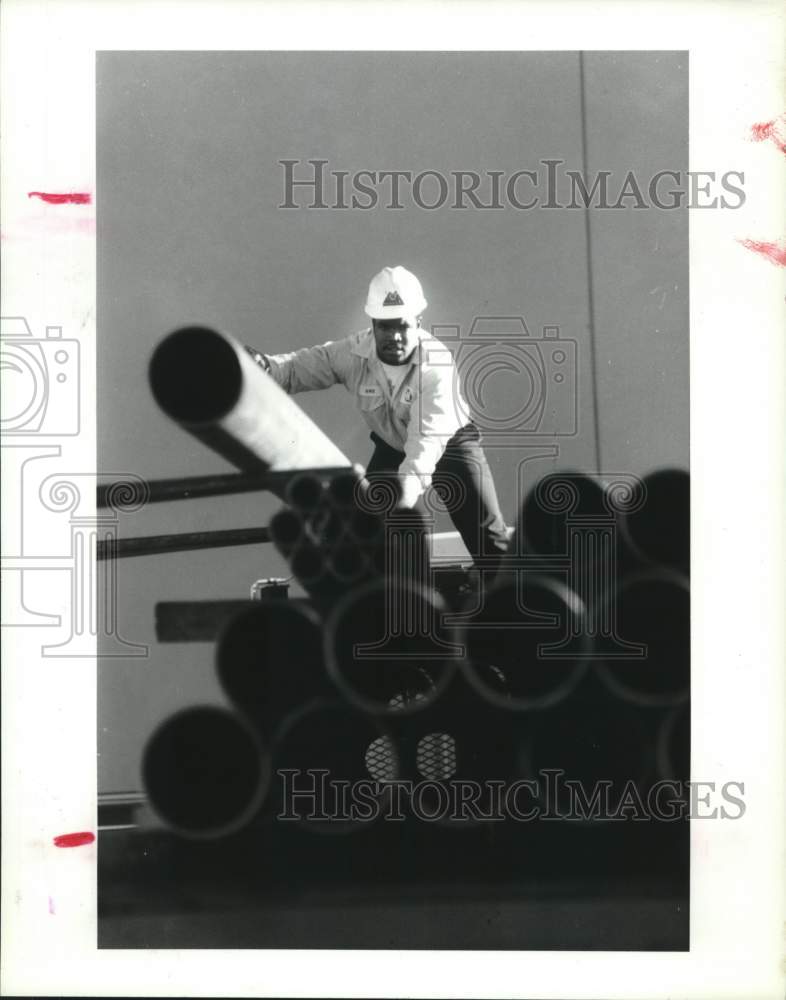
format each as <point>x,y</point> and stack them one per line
<point>738,374</point>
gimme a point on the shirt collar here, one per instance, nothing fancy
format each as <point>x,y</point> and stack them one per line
<point>366,347</point>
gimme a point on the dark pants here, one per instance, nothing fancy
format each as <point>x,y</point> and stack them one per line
<point>463,481</point>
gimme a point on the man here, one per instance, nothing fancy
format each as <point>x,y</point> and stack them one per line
<point>405,384</point>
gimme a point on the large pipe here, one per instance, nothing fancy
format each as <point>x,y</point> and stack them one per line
<point>324,743</point>
<point>208,383</point>
<point>659,530</point>
<point>206,773</point>
<point>651,609</point>
<point>458,738</point>
<point>348,564</point>
<point>588,753</point>
<point>525,647</point>
<point>269,661</point>
<point>542,523</point>
<point>571,521</point>
<point>382,638</point>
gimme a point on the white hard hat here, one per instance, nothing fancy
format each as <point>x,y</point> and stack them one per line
<point>394,293</point>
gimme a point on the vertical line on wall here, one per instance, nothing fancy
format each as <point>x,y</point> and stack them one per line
<point>590,279</point>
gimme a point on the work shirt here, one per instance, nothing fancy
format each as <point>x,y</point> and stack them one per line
<point>417,417</point>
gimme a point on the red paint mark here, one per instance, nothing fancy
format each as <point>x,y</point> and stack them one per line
<point>74,839</point>
<point>775,130</point>
<point>774,252</point>
<point>71,198</point>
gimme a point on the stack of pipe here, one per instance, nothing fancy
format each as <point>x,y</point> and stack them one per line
<point>316,533</point>
<point>339,533</point>
<point>576,660</point>
<point>382,683</point>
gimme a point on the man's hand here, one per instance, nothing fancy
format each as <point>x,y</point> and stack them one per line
<point>412,485</point>
<point>260,358</point>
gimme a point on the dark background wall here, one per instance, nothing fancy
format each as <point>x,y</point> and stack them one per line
<point>189,230</point>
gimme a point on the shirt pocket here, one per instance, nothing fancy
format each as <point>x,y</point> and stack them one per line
<point>407,397</point>
<point>367,401</point>
<point>405,406</point>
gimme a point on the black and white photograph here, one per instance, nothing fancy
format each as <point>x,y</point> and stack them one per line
<point>427,686</point>
<point>389,563</point>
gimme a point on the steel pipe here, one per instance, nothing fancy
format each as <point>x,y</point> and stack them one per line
<point>524,646</point>
<point>570,526</point>
<point>324,743</point>
<point>206,773</point>
<point>659,530</point>
<point>207,382</point>
<point>194,487</point>
<point>602,746</point>
<point>286,530</point>
<point>382,638</point>
<point>457,738</point>
<point>309,565</point>
<point>347,490</point>
<point>269,661</point>
<point>304,491</point>
<point>123,548</point>
<point>348,563</point>
<point>542,523</point>
<point>651,609</point>
<point>366,527</point>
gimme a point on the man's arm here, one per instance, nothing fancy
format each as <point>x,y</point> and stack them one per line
<point>436,416</point>
<point>309,368</point>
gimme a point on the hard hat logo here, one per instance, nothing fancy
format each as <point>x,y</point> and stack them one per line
<point>395,293</point>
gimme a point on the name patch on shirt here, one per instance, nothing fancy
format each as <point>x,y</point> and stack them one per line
<point>370,390</point>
